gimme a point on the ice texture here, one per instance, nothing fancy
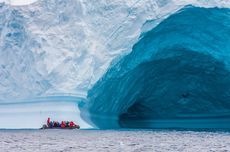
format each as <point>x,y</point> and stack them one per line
<point>177,76</point>
<point>33,113</point>
<point>57,47</point>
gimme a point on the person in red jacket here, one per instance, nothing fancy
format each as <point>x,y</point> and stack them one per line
<point>63,124</point>
<point>48,121</point>
<point>71,124</point>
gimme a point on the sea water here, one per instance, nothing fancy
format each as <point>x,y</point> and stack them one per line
<point>113,140</point>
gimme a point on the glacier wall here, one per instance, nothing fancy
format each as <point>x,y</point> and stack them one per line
<point>63,47</point>
<point>56,46</point>
<point>177,75</point>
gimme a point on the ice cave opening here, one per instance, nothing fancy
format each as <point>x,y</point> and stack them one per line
<point>187,86</point>
<point>176,76</point>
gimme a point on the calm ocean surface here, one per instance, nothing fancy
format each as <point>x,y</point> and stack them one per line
<point>113,140</point>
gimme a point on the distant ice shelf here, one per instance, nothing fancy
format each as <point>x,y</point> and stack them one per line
<point>33,113</point>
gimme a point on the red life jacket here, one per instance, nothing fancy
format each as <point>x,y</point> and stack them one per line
<point>71,124</point>
<point>48,121</point>
<point>63,125</point>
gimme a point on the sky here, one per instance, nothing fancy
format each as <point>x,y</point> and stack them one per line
<point>18,2</point>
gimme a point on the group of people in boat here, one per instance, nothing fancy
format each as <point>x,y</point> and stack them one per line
<point>62,125</point>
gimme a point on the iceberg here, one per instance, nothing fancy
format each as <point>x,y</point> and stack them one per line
<point>56,46</point>
<point>176,76</point>
<point>73,47</point>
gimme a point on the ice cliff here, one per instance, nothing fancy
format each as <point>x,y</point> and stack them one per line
<point>56,46</point>
<point>112,50</point>
<point>177,75</point>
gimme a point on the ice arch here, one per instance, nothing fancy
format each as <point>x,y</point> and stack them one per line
<point>177,75</point>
